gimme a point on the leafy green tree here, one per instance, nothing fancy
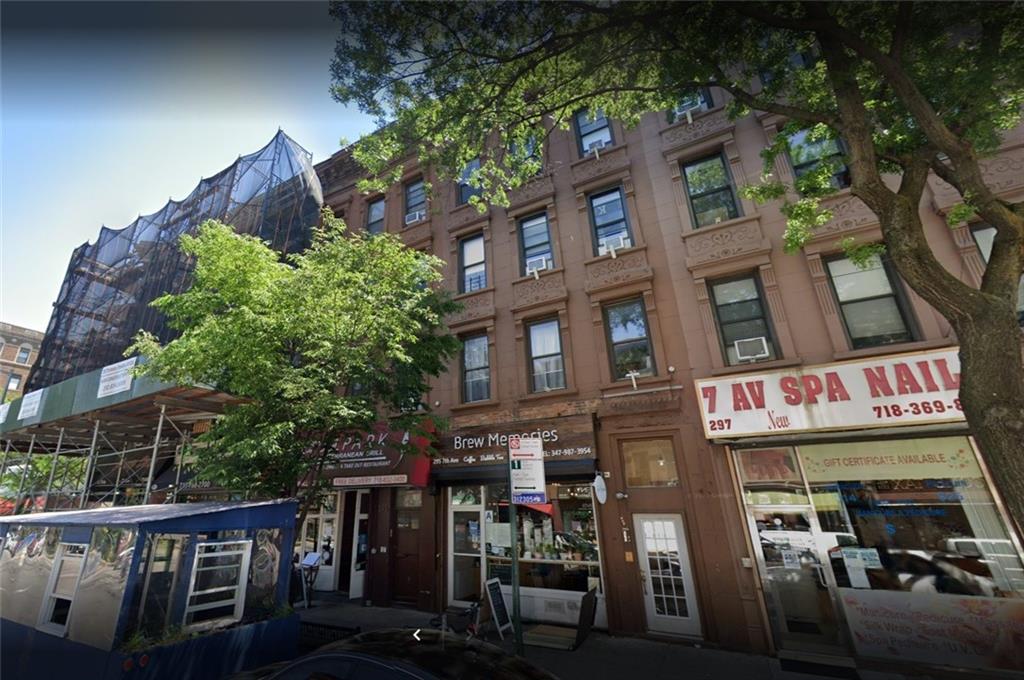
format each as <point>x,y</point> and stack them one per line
<point>910,88</point>
<point>67,479</point>
<point>325,344</point>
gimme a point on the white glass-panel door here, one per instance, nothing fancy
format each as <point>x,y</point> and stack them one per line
<point>360,544</point>
<point>465,524</point>
<point>664,561</point>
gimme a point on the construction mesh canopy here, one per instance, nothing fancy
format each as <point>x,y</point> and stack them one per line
<point>104,301</point>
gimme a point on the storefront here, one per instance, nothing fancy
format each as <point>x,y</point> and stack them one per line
<point>872,520</point>
<point>374,530</point>
<point>559,541</point>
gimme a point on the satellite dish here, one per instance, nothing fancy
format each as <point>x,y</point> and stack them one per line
<point>600,490</point>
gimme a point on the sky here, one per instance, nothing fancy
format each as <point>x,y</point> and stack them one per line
<point>107,110</point>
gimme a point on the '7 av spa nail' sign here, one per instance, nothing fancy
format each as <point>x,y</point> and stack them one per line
<point>904,389</point>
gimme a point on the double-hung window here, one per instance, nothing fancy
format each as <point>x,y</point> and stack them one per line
<point>592,131</point>
<point>984,235</point>
<point>476,369</point>
<point>220,574</point>
<point>472,263</point>
<point>547,369</point>
<point>742,321</point>
<point>630,344</point>
<point>710,191</point>
<point>806,154</point>
<point>467,190</point>
<point>375,216</point>
<point>611,225</point>
<point>871,304</point>
<point>62,588</point>
<point>14,382</point>
<point>23,354</point>
<point>415,201</point>
<point>535,237</point>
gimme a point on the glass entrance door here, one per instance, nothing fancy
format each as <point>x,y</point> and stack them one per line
<point>465,575</point>
<point>360,543</point>
<point>798,585</point>
<point>666,576</point>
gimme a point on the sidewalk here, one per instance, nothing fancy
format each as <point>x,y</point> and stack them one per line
<point>601,656</point>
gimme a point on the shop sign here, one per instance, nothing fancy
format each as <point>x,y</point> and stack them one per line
<point>116,378</point>
<point>378,458</point>
<point>931,458</point>
<point>937,628</point>
<point>566,438</point>
<point>526,469</point>
<point>905,389</point>
<point>371,480</point>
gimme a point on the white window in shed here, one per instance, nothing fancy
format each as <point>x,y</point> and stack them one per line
<point>216,594</point>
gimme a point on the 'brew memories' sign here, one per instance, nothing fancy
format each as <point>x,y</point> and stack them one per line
<point>498,609</point>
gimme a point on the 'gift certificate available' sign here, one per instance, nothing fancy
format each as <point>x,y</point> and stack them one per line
<point>526,463</point>
<point>903,389</point>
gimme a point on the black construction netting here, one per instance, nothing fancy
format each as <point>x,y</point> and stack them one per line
<point>104,301</point>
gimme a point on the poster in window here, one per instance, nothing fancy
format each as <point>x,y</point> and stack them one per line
<point>769,465</point>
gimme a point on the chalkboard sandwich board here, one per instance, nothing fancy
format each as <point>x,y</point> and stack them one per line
<point>498,609</point>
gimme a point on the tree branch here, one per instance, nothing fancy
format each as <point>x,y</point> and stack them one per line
<point>796,113</point>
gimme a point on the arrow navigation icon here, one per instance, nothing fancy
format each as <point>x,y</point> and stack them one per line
<point>416,634</point>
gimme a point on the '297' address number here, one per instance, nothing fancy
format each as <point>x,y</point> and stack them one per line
<point>720,424</point>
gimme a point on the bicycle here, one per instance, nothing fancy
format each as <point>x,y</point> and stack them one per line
<point>459,621</point>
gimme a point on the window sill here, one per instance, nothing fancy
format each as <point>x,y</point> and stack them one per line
<point>413,225</point>
<point>725,224</point>
<point>895,348</point>
<point>486,403</point>
<point>478,291</point>
<point>757,366</point>
<point>550,394</point>
<point>589,156</point>
<point>53,629</point>
<point>541,275</point>
<point>641,384</point>
<point>618,254</point>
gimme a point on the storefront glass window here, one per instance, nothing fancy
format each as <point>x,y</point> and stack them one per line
<point>771,477</point>
<point>921,513</point>
<point>650,462</point>
<point>558,545</point>
<point>904,536</point>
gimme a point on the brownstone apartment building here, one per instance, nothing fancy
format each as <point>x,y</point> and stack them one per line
<point>19,348</point>
<point>635,312</point>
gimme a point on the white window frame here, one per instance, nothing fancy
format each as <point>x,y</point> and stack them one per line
<point>46,611</point>
<point>28,355</point>
<point>238,599</point>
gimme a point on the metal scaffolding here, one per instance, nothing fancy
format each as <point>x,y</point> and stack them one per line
<point>129,452</point>
<point>273,194</point>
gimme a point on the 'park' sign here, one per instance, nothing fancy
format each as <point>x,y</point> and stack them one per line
<point>904,389</point>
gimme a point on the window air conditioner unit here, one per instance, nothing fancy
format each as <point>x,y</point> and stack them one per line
<point>613,244</point>
<point>414,217</point>
<point>535,265</point>
<point>752,349</point>
<point>595,147</point>
<point>687,110</point>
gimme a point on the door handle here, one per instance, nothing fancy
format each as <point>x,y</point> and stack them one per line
<point>643,580</point>
<point>820,571</point>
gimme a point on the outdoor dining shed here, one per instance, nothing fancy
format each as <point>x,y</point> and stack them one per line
<point>135,591</point>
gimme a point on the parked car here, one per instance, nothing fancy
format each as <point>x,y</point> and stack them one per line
<point>395,654</point>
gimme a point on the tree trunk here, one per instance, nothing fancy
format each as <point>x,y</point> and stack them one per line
<point>992,394</point>
<point>991,364</point>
